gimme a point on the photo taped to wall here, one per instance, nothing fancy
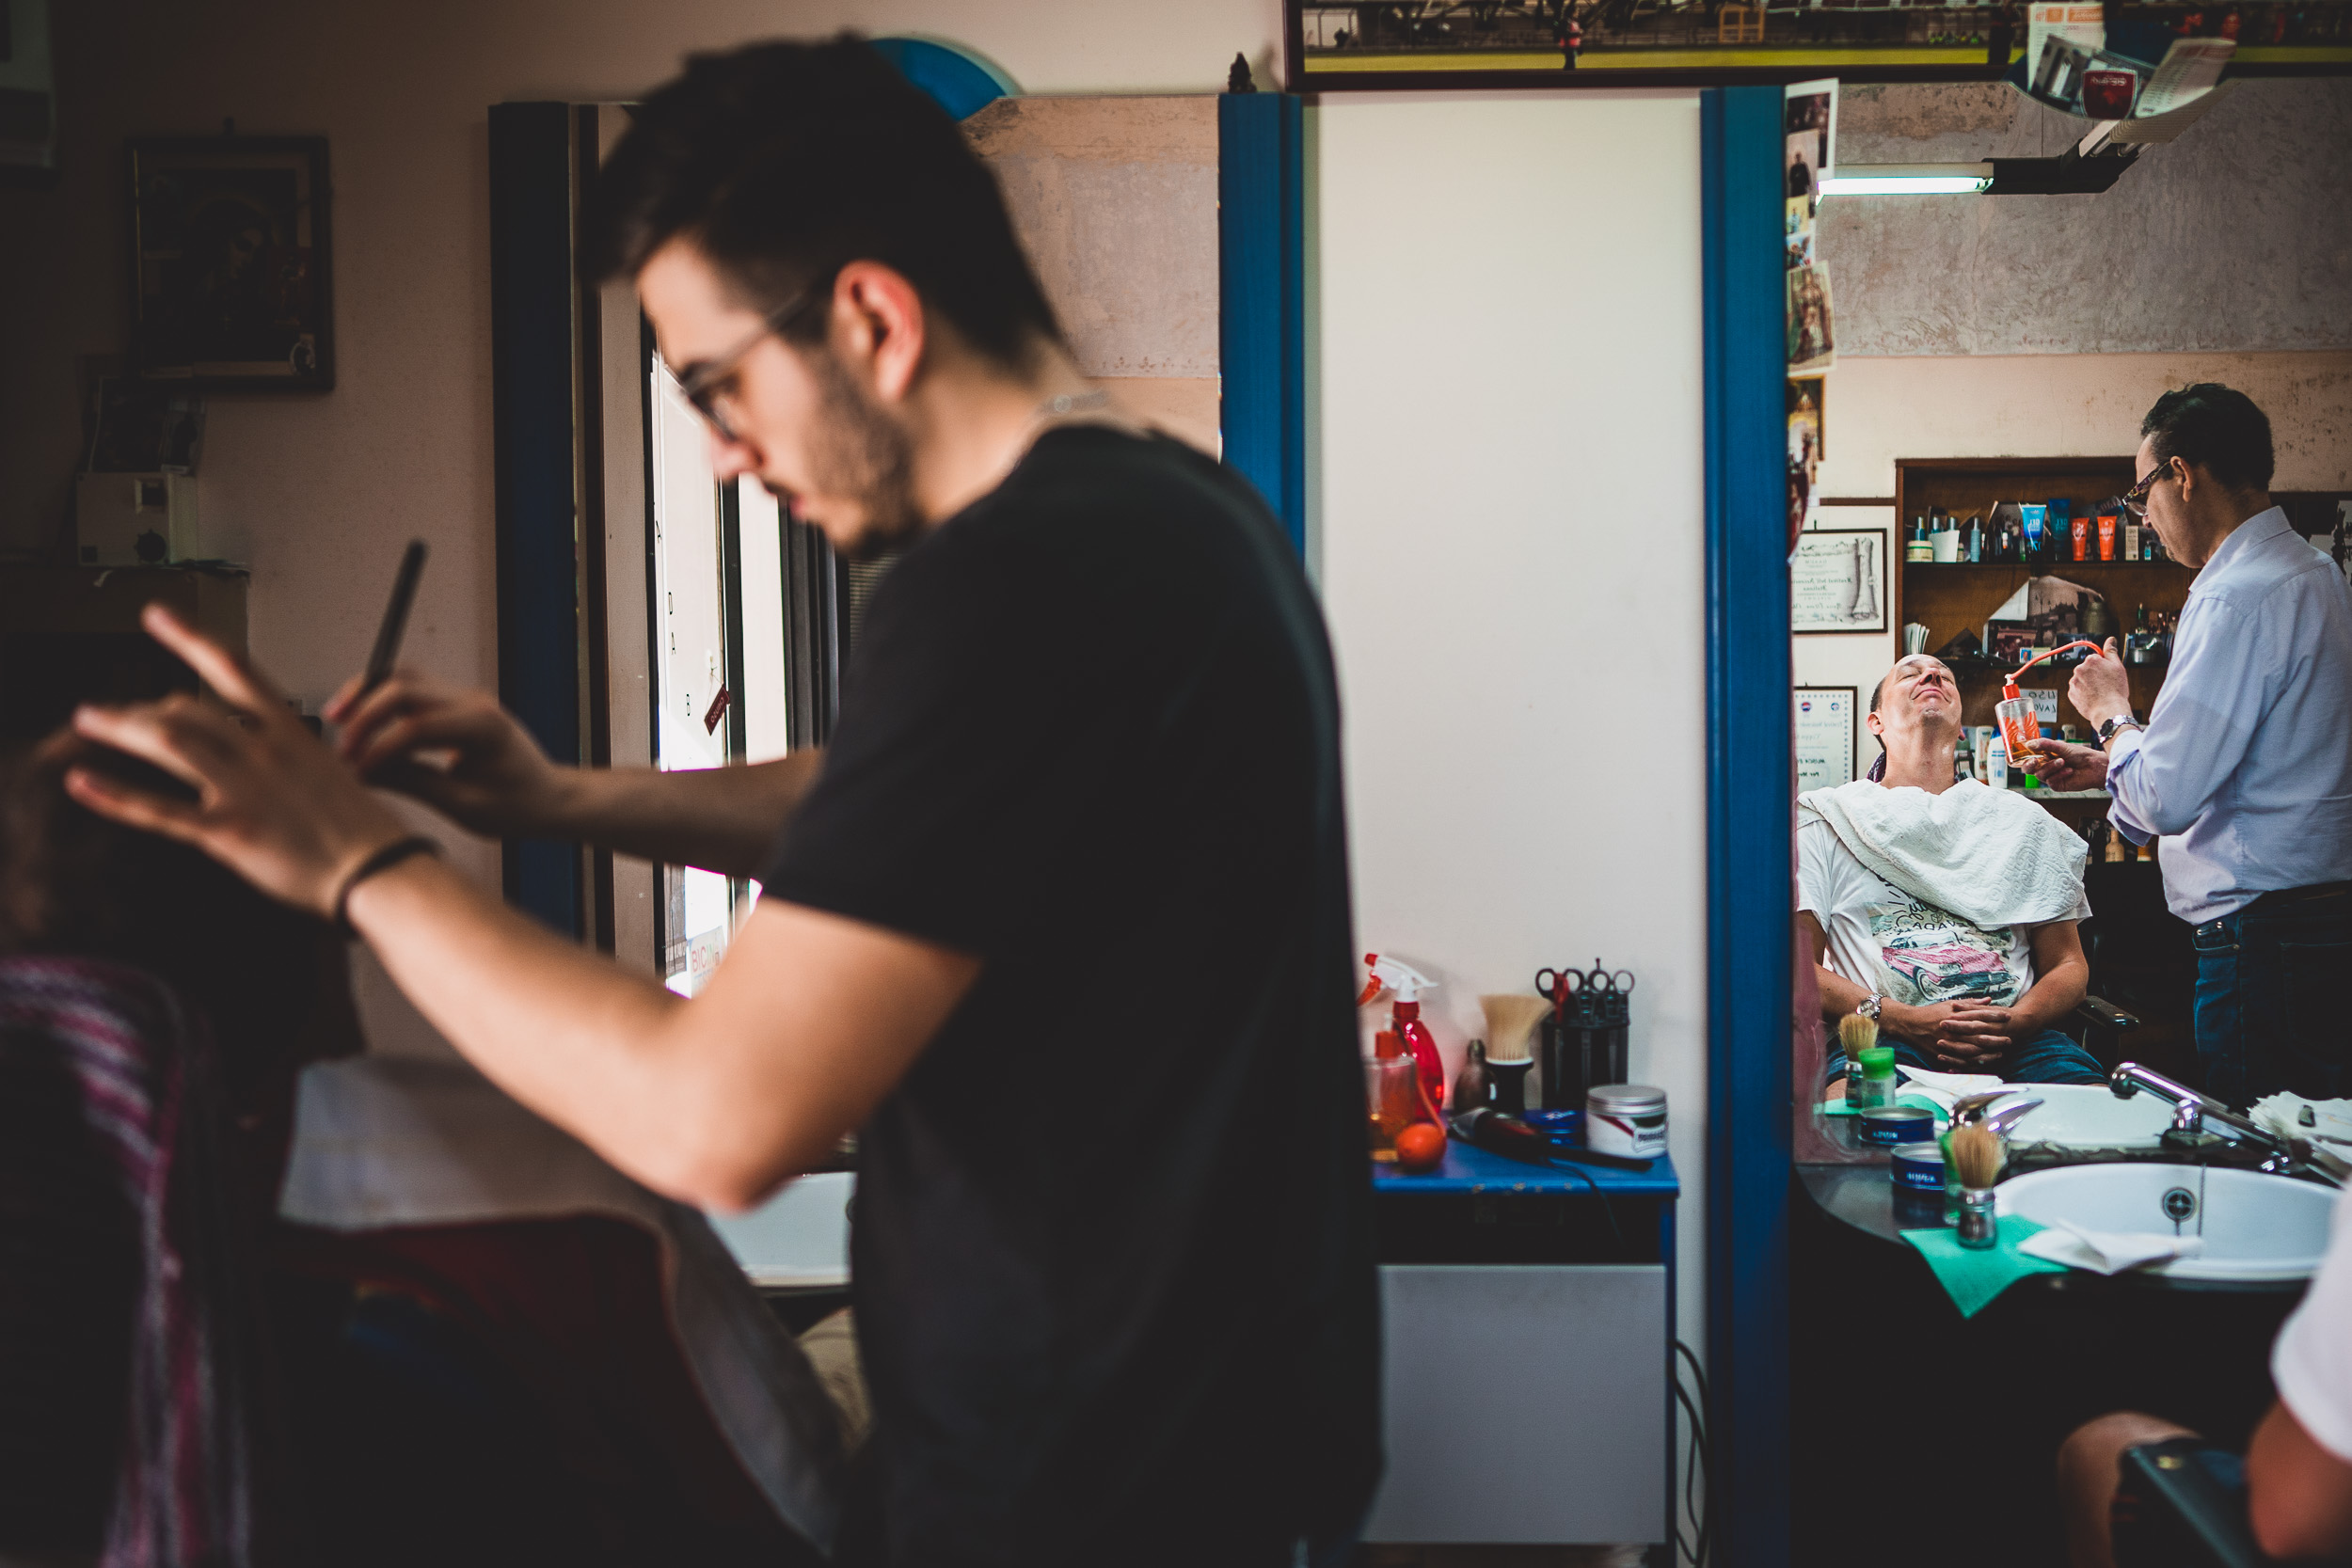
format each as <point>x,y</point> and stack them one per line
<point>1812,342</point>
<point>1809,123</point>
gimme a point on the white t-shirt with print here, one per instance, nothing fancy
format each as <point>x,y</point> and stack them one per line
<point>1914,953</point>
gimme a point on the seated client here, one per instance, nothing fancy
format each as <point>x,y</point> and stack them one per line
<point>1946,907</point>
<point>252,1296</point>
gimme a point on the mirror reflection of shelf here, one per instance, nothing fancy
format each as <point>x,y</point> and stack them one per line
<point>2042,568</point>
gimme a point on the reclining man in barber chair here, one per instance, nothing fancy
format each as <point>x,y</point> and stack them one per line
<point>1946,910</point>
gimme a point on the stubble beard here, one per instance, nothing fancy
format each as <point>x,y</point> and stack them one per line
<point>862,452</point>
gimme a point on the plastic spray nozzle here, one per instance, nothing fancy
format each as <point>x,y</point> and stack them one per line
<point>2009,687</point>
<point>1388,973</point>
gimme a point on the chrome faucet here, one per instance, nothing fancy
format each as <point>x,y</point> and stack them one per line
<point>2195,1115</point>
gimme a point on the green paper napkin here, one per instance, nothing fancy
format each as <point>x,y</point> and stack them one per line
<point>1973,1279</point>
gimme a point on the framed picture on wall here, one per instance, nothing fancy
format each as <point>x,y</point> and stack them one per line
<point>230,264</point>
<point>1393,45</point>
<point>1828,736</point>
<point>1838,581</point>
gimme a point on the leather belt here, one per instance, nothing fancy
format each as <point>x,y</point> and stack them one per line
<point>2280,896</point>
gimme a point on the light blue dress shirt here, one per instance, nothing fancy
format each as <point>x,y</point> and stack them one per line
<point>2245,772</point>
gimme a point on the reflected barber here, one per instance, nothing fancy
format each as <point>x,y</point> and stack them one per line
<point>2242,769</point>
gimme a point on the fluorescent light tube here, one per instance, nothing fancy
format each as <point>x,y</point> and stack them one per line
<point>1908,179</point>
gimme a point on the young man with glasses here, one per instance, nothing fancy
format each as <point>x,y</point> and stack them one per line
<point>1112,1251</point>
<point>2242,769</point>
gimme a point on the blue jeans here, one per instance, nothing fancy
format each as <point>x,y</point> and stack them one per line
<point>2048,1057</point>
<point>2268,1013</point>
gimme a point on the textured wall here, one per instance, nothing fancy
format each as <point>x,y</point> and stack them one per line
<point>2237,237</point>
<point>1116,199</point>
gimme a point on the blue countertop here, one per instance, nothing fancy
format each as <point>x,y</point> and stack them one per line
<point>1468,1168</point>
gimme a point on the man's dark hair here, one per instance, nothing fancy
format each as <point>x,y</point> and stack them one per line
<point>783,163</point>
<point>2216,428</point>
<point>76,884</point>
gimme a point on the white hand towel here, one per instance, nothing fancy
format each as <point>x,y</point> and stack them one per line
<point>2282,1113</point>
<point>2107,1251</point>
<point>1986,855</point>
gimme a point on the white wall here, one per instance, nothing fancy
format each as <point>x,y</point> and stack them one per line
<point>1508,498</point>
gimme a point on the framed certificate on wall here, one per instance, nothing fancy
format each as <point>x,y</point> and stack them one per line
<point>1837,581</point>
<point>1829,724</point>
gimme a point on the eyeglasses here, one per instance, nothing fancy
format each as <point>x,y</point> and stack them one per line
<point>2136,498</point>
<point>711,385</point>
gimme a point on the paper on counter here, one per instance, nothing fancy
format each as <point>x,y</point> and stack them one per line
<point>1947,1088</point>
<point>2282,1113</point>
<point>2107,1251</point>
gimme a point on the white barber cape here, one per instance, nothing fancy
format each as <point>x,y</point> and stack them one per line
<point>1990,856</point>
<point>386,1141</point>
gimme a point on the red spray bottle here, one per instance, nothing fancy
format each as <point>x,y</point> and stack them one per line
<point>2021,732</point>
<point>1406,984</point>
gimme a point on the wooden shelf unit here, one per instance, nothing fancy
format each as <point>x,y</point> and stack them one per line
<point>1960,596</point>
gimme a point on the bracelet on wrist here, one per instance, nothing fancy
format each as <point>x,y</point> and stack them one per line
<point>382,860</point>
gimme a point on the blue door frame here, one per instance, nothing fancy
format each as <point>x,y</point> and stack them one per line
<point>1749,756</point>
<point>1261,340</point>
<point>531,398</point>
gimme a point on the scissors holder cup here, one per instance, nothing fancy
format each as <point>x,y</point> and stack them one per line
<point>1584,1038</point>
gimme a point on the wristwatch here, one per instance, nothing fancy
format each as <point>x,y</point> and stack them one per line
<point>2114,727</point>
<point>1869,1005</point>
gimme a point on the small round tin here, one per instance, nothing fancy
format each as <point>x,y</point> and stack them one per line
<point>1561,1127</point>
<point>1895,1125</point>
<point>1919,1169</point>
<point>1626,1118</point>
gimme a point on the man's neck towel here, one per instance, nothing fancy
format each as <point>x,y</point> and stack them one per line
<point>1988,856</point>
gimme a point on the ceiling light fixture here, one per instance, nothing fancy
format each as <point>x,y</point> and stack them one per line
<point>1908,179</point>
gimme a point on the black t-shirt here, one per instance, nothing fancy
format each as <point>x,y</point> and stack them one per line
<point>1112,1241</point>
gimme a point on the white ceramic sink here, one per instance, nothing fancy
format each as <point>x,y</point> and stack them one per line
<point>799,1237</point>
<point>2255,1227</point>
<point>2088,1116</point>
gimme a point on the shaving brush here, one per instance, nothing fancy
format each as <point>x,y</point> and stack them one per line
<point>1510,1020</point>
<point>1975,1153</point>
<point>1856,1034</point>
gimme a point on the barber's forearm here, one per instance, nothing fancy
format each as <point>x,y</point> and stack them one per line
<point>722,819</point>
<point>565,1032</point>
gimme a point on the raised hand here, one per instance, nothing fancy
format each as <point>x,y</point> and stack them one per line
<point>2101,688</point>
<point>273,803</point>
<point>454,748</point>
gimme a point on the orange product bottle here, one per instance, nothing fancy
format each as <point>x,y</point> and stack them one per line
<point>1391,1092</point>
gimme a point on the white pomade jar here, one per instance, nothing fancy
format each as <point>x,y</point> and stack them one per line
<point>1626,1118</point>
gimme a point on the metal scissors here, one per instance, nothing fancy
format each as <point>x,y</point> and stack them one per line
<point>1554,986</point>
<point>1557,984</point>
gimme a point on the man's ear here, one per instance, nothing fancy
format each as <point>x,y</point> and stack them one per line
<point>880,320</point>
<point>1876,726</point>
<point>2190,476</point>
